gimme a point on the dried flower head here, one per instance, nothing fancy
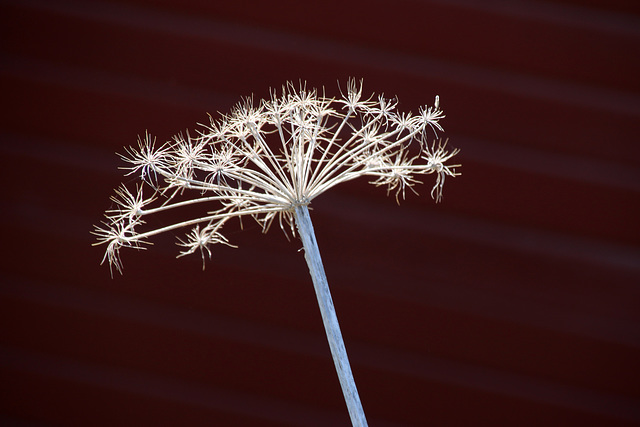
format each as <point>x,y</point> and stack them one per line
<point>262,160</point>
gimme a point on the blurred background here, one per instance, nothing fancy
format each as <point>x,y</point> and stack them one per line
<point>514,302</point>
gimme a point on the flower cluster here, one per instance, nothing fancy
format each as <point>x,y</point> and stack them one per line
<point>262,160</point>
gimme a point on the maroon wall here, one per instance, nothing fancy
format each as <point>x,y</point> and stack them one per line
<point>514,302</point>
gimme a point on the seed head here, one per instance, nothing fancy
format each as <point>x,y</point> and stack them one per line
<point>262,160</point>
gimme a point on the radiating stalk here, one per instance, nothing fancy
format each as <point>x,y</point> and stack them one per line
<point>329,318</point>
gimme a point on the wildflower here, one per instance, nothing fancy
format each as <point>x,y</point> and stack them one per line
<point>268,161</point>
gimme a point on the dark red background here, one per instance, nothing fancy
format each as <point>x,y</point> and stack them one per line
<point>514,302</point>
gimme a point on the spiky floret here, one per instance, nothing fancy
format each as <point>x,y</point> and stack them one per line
<point>262,160</point>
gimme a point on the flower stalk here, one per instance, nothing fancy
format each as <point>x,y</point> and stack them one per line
<point>268,162</point>
<point>329,317</point>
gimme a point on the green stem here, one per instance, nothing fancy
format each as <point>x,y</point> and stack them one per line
<point>329,318</point>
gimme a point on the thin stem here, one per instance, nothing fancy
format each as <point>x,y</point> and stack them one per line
<point>329,318</point>
<point>221,214</point>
